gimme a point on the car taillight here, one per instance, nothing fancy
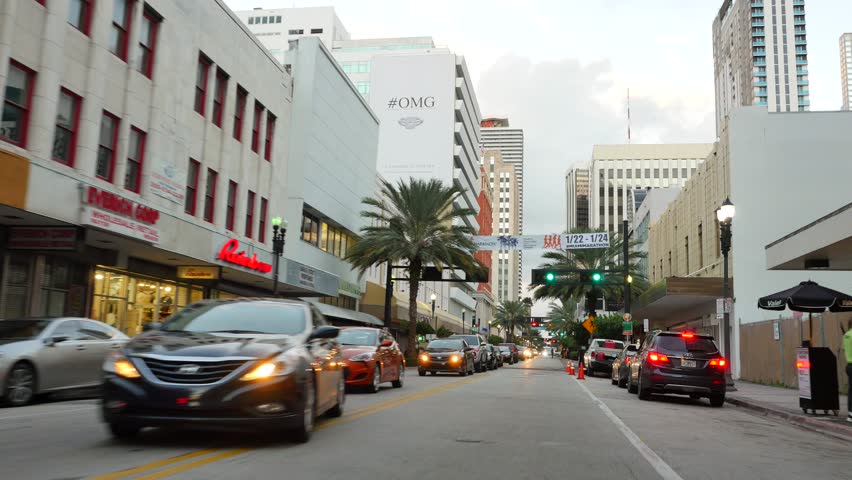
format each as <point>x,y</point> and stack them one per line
<point>718,362</point>
<point>687,335</point>
<point>655,357</point>
<point>600,356</point>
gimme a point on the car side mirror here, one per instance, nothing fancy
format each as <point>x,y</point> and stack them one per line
<point>386,343</point>
<point>325,331</point>
<point>55,339</point>
<point>152,326</point>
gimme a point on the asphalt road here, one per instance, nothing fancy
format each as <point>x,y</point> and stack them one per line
<point>525,421</point>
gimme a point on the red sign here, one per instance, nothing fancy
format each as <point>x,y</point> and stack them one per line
<point>42,238</point>
<point>229,254</point>
<point>113,203</point>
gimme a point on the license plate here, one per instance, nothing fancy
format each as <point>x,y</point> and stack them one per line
<point>687,363</point>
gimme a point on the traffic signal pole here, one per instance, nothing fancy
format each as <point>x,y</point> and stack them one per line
<point>626,264</point>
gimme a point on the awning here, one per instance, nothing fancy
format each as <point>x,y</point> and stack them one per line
<point>677,300</point>
<point>342,313</point>
<point>824,244</point>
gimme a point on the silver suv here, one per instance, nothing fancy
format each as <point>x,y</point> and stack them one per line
<point>480,353</point>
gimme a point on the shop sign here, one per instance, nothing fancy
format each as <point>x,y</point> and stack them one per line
<point>167,180</point>
<point>231,253</point>
<point>803,367</point>
<point>350,288</point>
<point>307,276</point>
<point>117,214</point>
<point>189,272</point>
<point>42,238</point>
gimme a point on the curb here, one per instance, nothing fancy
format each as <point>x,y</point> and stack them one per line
<point>827,428</point>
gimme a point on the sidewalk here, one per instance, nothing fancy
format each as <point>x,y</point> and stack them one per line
<point>783,403</point>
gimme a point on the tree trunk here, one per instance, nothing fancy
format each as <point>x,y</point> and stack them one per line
<point>414,270</point>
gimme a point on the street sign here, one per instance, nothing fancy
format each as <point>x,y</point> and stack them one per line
<point>776,331</point>
<point>588,325</point>
<point>628,317</point>
<point>722,307</point>
<point>627,327</point>
<point>647,325</point>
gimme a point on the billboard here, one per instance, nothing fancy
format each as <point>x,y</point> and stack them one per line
<point>414,98</point>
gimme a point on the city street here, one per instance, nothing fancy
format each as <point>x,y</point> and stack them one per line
<point>525,421</point>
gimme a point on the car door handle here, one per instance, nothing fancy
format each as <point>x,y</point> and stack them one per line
<point>80,347</point>
<point>115,346</point>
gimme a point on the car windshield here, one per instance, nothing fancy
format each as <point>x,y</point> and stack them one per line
<point>472,340</point>
<point>357,336</point>
<point>22,329</point>
<point>445,345</point>
<point>273,318</point>
<point>672,345</point>
<point>504,348</point>
<point>609,344</point>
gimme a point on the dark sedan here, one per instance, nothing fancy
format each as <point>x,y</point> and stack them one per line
<point>446,355</point>
<point>245,363</point>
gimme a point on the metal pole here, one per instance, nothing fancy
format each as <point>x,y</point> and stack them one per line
<point>726,316</point>
<point>388,294</point>
<point>626,264</point>
<point>463,312</point>
<point>434,318</point>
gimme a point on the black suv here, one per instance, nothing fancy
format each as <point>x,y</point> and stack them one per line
<point>679,362</point>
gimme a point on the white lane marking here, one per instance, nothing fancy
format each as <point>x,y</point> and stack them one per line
<point>50,412</point>
<point>663,468</point>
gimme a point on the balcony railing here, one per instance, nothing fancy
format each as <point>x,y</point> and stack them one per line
<point>760,62</point>
<point>756,4</point>
<point>801,42</point>
<point>760,83</point>
<point>759,74</point>
<point>798,11</point>
<point>803,82</point>
<point>757,14</point>
<point>761,103</point>
<point>760,53</point>
<point>801,71</point>
<point>801,62</point>
<point>758,23</point>
<point>798,21</point>
<point>758,43</point>
<point>802,51</point>
<point>758,33</point>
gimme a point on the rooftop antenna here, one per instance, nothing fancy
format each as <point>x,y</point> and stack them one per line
<point>628,115</point>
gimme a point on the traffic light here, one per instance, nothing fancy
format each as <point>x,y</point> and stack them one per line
<point>597,277</point>
<point>542,276</point>
<point>534,324</point>
<point>591,277</point>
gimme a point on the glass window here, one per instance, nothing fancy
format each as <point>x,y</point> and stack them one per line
<point>79,14</point>
<point>270,131</point>
<point>316,30</point>
<point>201,72</point>
<point>230,205</point>
<point>16,104</point>
<point>65,134</point>
<point>239,112</point>
<point>219,96</point>
<point>261,234</point>
<point>240,317</point>
<point>358,336</point>
<point>255,129</point>
<point>210,195</point>
<point>191,186</point>
<point>135,158</point>
<point>22,329</point>
<point>106,146</point>
<point>324,237</point>
<point>250,214</point>
<point>120,26</point>
<point>147,38</point>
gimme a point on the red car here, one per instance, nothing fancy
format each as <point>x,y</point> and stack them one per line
<point>372,357</point>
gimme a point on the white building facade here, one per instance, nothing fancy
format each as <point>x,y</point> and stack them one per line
<point>142,158</point>
<point>620,176</point>
<point>498,135</point>
<point>846,70</point>
<point>356,56</point>
<point>760,56</point>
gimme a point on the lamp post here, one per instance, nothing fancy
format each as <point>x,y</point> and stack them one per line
<point>463,312</point>
<point>725,215</point>
<point>434,319</point>
<point>279,230</point>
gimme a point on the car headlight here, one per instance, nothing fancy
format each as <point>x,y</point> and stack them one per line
<point>279,366</point>
<point>424,358</point>
<point>120,365</point>
<point>454,359</point>
<point>362,357</point>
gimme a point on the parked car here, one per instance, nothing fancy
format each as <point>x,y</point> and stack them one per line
<point>679,362</point>
<point>506,353</point>
<point>497,355</point>
<point>41,355</point>
<point>621,365</point>
<point>601,353</point>
<point>446,355</point>
<point>372,357</point>
<point>267,364</point>
<point>480,353</point>
<point>516,353</point>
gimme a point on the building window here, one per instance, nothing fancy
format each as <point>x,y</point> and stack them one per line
<point>239,112</point>
<point>16,104</point>
<point>296,31</point>
<point>231,205</point>
<point>120,26</point>
<point>67,120</point>
<point>316,30</point>
<point>201,83</point>
<point>700,247</point>
<point>255,128</point>
<point>261,228</point>
<point>147,40</point>
<point>278,19</point>
<point>363,87</point>
<point>250,214</point>
<point>135,159</point>
<point>219,96</point>
<point>192,173</point>
<point>270,131</point>
<point>80,14</point>
<point>251,20</point>
<point>210,195</point>
<point>106,146</point>
<point>310,229</point>
<point>683,173</point>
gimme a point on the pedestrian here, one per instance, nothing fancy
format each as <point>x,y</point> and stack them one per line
<point>847,348</point>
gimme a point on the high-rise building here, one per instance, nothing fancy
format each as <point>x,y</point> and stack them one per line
<point>277,26</point>
<point>846,69</point>
<point>356,56</point>
<point>497,135</point>
<point>620,174</point>
<point>577,194</point>
<point>761,57</point>
<point>505,267</point>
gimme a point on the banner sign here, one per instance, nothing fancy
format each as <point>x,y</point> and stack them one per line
<point>42,238</point>
<point>191,272</point>
<point>558,241</point>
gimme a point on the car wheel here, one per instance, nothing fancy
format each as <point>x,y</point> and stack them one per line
<point>420,372</point>
<point>377,379</point>
<point>337,409</point>
<point>612,378</point>
<point>717,400</point>
<point>433,373</point>
<point>622,382</point>
<point>123,431</point>
<point>463,373</point>
<point>631,388</point>
<point>644,393</point>
<point>20,385</point>
<point>400,379</point>
<point>302,433</point>
<point>477,367</point>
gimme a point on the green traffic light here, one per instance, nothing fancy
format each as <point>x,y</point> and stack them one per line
<point>550,277</point>
<point>596,277</point>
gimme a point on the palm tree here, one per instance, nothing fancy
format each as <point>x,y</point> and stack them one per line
<point>509,314</point>
<point>598,259</point>
<point>413,224</point>
<point>562,317</point>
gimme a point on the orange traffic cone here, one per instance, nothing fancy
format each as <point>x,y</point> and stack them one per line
<point>580,375</point>
<point>568,369</point>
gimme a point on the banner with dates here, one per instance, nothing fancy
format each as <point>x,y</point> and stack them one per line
<point>558,241</point>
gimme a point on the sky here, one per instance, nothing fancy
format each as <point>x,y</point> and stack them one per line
<point>560,69</point>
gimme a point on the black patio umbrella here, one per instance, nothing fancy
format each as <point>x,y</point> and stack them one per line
<point>809,297</point>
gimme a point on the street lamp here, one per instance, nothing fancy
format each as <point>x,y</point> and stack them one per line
<point>725,215</point>
<point>434,319</point>
<point>463,312</point>
<point>279,230</point>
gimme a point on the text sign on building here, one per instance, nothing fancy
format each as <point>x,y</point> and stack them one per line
<point>115,213</point>
<point>231,253</point>
<point>190,272</point>
<point>558,241</point>
<point>42,238</point>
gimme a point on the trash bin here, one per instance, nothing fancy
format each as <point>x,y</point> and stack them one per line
<point>817,371</point>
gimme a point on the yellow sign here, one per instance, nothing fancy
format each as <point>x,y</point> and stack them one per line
<point>588,325</point>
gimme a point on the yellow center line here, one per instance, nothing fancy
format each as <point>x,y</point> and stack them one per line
<point>354,415</point>
<point>153,465</point>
